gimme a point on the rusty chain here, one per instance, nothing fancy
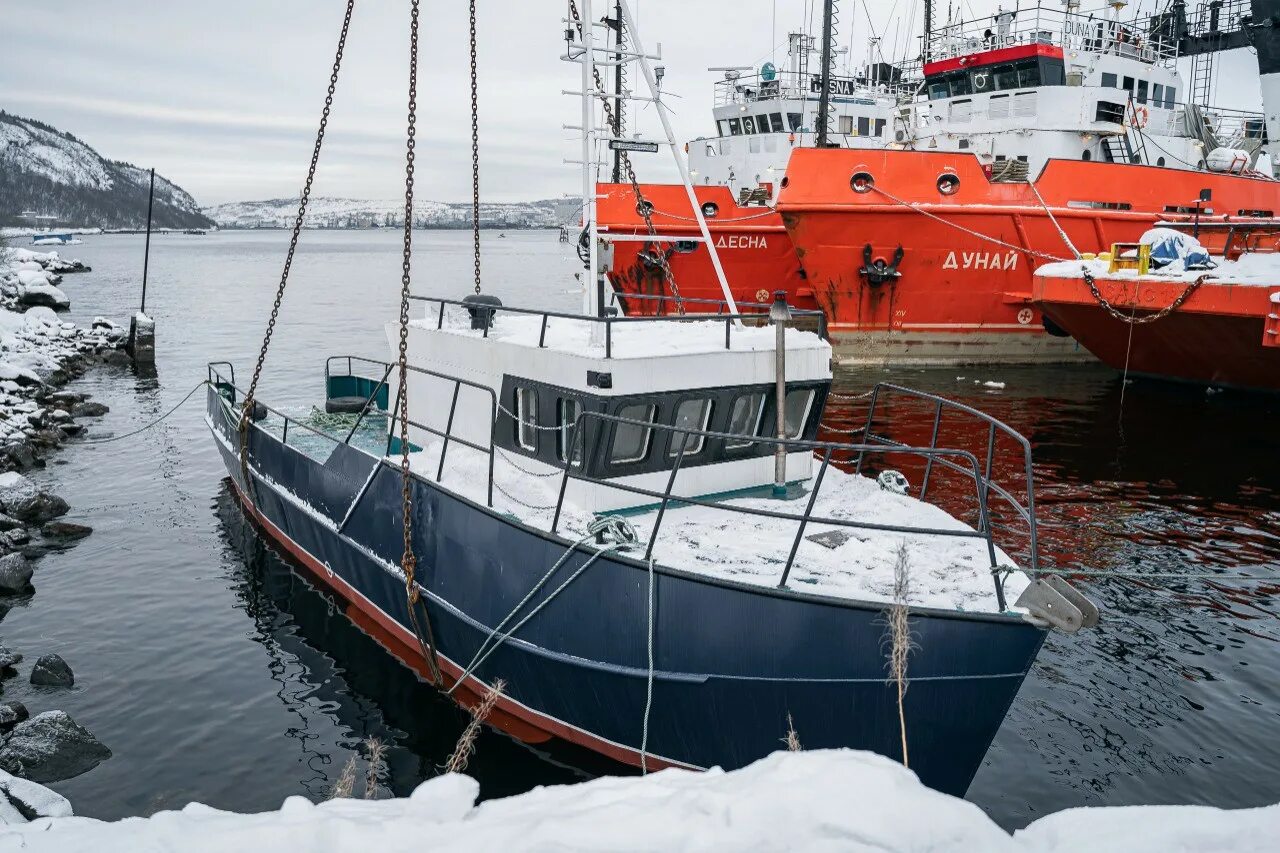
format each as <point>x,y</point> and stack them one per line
<point>247,410</point>
<point>643,207</point>
<point>475,151</point>
<point>1149,318</point>
<point>408,562</point>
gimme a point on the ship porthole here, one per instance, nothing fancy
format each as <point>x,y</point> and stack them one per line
<point>1160,161</point>
<point>1087,155</point>
<point>948,183</point>
<point>645,207</point>
<point>710,210</point>
<point>862,182</point>
<point>785,181</point>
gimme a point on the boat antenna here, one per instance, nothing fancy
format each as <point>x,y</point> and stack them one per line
<point>928,30</point>
<point>824,99</point>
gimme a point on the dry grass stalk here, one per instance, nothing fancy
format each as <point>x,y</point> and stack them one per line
<point>900,634</point>
<point>467,742</point>
<point>792,739</point>
<point>346,783</point>
<point>377,761</point>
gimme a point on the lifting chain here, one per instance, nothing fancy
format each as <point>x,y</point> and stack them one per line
<point>1149,318</point>
<point>475,151</point>
<point>408,563</point>
<point>643,207</point>
<point>247,410</point>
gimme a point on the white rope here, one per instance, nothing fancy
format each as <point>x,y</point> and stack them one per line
<point>1061,233</point>
<point>648,693</point>
<point>968,231</point>
<point>624,537</point>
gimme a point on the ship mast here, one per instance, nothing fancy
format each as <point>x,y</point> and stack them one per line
<point>824,99</point>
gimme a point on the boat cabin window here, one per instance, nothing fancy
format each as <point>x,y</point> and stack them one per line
<point>1142,91</point>
<point>1107,111</point>
<point>631,441</point>
<point>1128,85</point>
<point>748,124</point>
<point>735,127</point>
<point>795,120</point>
<point>776,119</point>
<point>1007,76</point>
<point>1169,92</point>
<point>567,412</point>
<point>723,124</point>
<point>690,414</point>
<point>846,125</point>
<point>796,411</point>
<point>1157,94</point>
<point>1109,80</point>
<point>744,419</point>
<point>527,418</point>
<point>864,125</point>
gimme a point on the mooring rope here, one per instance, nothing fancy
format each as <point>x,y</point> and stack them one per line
<point>148,426</point>
<point>625,537</point>
<point>1053,219</point>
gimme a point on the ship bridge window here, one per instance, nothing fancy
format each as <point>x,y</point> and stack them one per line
<point>744,419</point>
<point>1128,85</point>
<point>1169,93</point>
<point>794,121</point>
<point>846,125</point>
<point>1109,80</point>
<point>631,441</point>
<point>776,120</point>
<point>864,125</point>
<point>527,418</point>
<point>762,124</point>
<point>1006,76</point>
<point>567,412</point>
<point>1142,91</point>
<point>1157,94</point>
<point>735,127</point>
<point>694,415</point>
<point>939,89</point>
<point>748,124</point>
<point>880,123</point>
<point>723,124</point>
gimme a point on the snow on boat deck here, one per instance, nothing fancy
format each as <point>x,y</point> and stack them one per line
<point>1251,270</point>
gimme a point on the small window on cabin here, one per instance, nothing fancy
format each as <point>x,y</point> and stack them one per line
<point>795,120</point>
<point>880,127</point>
<point>864,125</point>
<point>961,84</point>
<point>1028,74</point>
<point>1142,91</point>
<point>762,124</point>
<point>1157,94</point>
<point>744,420</point>
<point>776,120</point>
<point>748,124</point>
<point>527,418</point>
<point>735,127</point>
<point>723,124</point>
<point>1108,111</point>
<point>1109,80</point>
<point>694,415</point>
<point>1128,85</point>
<point>796,411</point>
<point>567,412</point>
<point>938,90</point>
<point>1052,73</point>
<point>1169,93</point>
<point>846,125</point>
<point>1006,77</point>
<point>631,441</point>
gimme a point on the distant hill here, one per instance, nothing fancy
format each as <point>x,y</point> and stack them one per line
<point>323,212</point>
<point>49,173</point>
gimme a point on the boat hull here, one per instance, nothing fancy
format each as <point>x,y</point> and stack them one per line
<point>733,663</point>
<point>963,289</point>
<point>1218,337</point>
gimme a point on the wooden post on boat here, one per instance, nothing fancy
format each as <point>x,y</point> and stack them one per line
<point>779,316</point>
<point>142,330</point>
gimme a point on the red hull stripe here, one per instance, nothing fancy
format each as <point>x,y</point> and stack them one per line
<point>522,721</point>
<point>991,57</point>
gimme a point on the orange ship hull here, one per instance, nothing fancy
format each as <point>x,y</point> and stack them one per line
<point>1224,334</point>
<point>754,250</point>
<point>963,289</point>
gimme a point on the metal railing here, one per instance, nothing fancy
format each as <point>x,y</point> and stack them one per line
<point>962,461</point>
<point>797,86</point>
<point>747,310</point>
<point>994,428</point>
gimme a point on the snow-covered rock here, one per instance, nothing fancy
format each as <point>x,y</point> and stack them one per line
<point>822,800</point>
<point>22,800</point>
<point>50,747</point>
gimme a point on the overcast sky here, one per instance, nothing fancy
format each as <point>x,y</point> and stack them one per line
<point>223,97</point>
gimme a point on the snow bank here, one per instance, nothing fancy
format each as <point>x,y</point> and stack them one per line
<point>822,800</point>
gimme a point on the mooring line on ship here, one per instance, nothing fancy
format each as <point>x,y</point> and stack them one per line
<point>157,421</point>
<point>1053,219</point>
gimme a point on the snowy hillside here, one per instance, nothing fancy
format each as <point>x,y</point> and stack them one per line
<point>357,213</point>
<point>46,172</point>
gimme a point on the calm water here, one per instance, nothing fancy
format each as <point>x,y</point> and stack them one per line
<point>217,675</point>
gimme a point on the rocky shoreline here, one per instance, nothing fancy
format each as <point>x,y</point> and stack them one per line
<point>39,353</point>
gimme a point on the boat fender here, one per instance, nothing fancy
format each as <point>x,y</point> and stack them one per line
<point>481,307</point>
<point>258,412</point>
<point>893,481</point>
<point>878,270</point>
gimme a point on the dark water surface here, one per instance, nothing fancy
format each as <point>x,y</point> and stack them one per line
<point>215,674</point>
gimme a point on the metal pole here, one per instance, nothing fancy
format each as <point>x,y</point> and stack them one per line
<point>928,30</point>
<point>588,156</point>
<point>617,90</point>
<point>780,315</point>
<point>824,99</point>
<point>146,252</point>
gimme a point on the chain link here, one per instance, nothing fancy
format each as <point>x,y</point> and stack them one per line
<point>1149,318</point>
<point>643,207</point>
<point>247,410</point>
<point>475,151</point>
<point>408,562</point>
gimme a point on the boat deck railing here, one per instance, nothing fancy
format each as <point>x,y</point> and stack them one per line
<point>748,312</point>
<point>979,473</point>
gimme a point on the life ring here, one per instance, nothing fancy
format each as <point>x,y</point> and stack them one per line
<point>1140,116</point>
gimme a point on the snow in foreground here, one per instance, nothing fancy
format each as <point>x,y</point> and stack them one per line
<point>821,800</point>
